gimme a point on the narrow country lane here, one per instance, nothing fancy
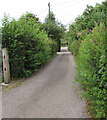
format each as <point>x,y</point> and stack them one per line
<point>51,93</point>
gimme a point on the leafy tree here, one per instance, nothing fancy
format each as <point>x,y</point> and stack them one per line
<point>29,16</point>
<point>50,18</point>
<point>54,29</point>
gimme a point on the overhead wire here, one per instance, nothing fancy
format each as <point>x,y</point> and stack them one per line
<point>54,6</point>
<point>57,4</point>
<point>66,7</point>
<point>64,2</point>
<point>43,11</point>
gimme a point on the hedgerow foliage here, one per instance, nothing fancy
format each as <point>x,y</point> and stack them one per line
<point>28,46</point>
<point>74,47</point>
<point>91,17</point>
<point>92,70</point>
<point>88,43</point>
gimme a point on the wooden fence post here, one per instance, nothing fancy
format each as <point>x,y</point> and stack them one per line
<point>6,68</point>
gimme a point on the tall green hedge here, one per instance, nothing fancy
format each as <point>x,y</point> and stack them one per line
<point>28,46</point>
<point>88,43</point>
<point>93,70</point>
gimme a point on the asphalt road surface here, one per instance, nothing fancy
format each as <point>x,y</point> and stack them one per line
<point>51,93</point>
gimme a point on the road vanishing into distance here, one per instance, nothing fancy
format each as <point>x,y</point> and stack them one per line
<point>50,93</point>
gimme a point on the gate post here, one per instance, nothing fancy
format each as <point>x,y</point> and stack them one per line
<point>6,68</point>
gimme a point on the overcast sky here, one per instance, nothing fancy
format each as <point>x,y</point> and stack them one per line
<point>65,10</point>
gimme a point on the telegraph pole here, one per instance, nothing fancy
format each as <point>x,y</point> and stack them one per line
<point>49,10</point>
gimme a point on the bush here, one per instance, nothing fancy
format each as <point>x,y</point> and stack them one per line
<point>92,70</point>
<point>74,47</point>
<point>91,55</point>
<point>28,46</point>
